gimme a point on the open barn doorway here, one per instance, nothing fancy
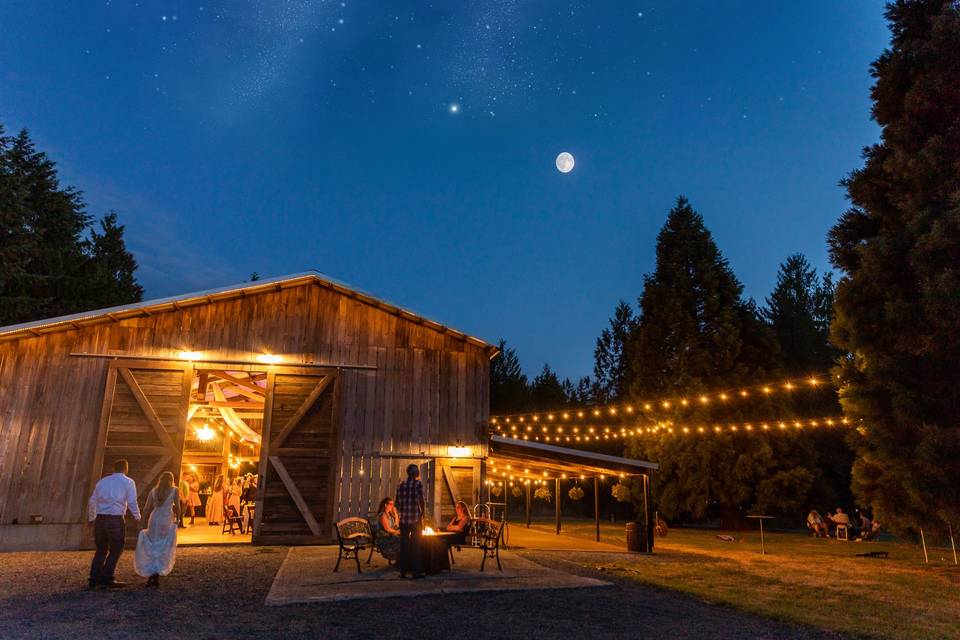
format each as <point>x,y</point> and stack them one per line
<point>221,455</point>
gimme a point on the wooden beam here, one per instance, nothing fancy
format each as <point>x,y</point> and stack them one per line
<point>302,411</point>
<point>152,474</point>
<point>202,380</point>
<point>137,450</point>
<point>230,404</point>
<point>451,485</point>
<point>146,407</point>
<point>240,382</point>
<point>295,495</point>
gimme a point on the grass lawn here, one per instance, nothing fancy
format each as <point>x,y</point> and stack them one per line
<point>801,579</point>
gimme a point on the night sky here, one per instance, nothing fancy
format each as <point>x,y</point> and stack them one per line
<point>408,148</point>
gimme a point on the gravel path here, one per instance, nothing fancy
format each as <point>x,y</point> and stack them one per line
<point>218,592</point>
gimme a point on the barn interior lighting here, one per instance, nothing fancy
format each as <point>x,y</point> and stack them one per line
<point>204,434</point>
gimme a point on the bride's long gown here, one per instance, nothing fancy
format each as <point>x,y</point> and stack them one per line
<point>157,544</point>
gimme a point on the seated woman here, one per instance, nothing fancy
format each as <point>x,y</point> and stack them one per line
<point>817,525</point>
<point>388,529</point>
<point>460,524</point>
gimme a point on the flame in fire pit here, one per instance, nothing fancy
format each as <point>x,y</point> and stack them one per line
<point>428,531</point>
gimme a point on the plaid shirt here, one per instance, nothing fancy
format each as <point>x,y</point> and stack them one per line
<point>409,495</point>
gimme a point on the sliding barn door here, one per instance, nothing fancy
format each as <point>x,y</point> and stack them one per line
<point>298,454</point>
<point>458,480</point>
<point>143,420</point>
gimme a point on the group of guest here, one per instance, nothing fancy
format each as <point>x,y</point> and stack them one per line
<point>227,497</point>
<point>822,526</point>
<point>400,524</point>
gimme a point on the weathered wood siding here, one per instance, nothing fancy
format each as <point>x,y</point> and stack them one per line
<point>429,390</point>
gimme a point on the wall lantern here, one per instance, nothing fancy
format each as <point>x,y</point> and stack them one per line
<point>189,355</point>
<point>458,452</point>
<point>269,358</point>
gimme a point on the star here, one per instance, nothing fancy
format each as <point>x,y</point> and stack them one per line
<point>454,108</point>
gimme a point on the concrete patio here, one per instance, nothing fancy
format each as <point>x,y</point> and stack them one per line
<point>306,575</point>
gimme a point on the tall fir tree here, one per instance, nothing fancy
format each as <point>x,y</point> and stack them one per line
<point>113,266</point>
<point>547,391</point>
<point>17,243</point>
<point>799,311</point>
<point>52,261</point>
<point>609,372</point>
<point>696,333</point>
<point>509,389</point>
<point>898,246</point>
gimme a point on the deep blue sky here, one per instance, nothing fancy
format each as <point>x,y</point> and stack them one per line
<point>279,136</point>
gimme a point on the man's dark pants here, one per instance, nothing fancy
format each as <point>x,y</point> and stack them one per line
<point>410,548</point>
<point>108,535</point>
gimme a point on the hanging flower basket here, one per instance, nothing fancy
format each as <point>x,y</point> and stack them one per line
<point>516,491</point>
<point>575,493</point>
<point>543,494</point>
<point>620,492</point>
<point>496,490</point>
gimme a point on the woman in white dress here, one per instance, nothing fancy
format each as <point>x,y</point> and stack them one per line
<point>157,544</point>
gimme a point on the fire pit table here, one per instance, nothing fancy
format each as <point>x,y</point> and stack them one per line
<point>435,551</point>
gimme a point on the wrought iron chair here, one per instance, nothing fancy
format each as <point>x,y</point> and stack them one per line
<point>490,533</point>
<point>354,535</point>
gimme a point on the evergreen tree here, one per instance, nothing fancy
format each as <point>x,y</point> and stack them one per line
<point>113,267</point>
<point>897,311</point>
<point>17,243</point>
<point>509,391</point>
<point>584,393</point>
<point>608,356</point>
<point>799,311</point>
<point>696,333</point>
<point>52,262</point>
<point>547,391</point>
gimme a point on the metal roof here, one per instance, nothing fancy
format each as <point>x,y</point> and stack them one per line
<point>540,452</point>
<point>210,296</point>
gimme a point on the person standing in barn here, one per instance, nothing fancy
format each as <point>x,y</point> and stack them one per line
<point>410,504</point>
<point>113,496</point>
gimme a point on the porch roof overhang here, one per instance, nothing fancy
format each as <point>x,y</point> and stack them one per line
<point>564,459</point>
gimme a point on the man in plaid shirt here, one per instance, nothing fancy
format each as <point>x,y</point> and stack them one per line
<point>410,504</point>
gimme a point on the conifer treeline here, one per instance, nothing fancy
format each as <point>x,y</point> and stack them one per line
<point>692,331</point>
<point>55,259</point>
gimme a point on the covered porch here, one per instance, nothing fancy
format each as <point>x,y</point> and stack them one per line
<point>538,468</point>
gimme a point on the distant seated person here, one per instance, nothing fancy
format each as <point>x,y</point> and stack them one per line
<point>460,524</point>
<point>817,525</point>
<point>872,533</point>
<point>865,523</point>
<point>840,519</point>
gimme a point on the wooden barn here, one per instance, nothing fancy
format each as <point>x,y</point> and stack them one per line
<point>324,392</point>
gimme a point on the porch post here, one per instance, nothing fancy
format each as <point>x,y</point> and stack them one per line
<point>647,513</point>
<point>596,505</point>
<point>557,499</point>
<point>528,506</point>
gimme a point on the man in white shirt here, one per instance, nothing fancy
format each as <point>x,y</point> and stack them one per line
<point>112,497</point>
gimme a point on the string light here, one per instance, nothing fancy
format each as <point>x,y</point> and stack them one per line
<point>592,435</point>
<point>672,403</point>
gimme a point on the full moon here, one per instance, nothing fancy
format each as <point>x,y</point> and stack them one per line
<point>565,162</point>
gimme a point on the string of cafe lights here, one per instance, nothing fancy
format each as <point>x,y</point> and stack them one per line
<point>563,435</point>
<point>666,404</point>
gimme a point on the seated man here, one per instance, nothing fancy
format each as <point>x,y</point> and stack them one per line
<point>872,533</point>
<point>840,518</point>
<point>460,524</point>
